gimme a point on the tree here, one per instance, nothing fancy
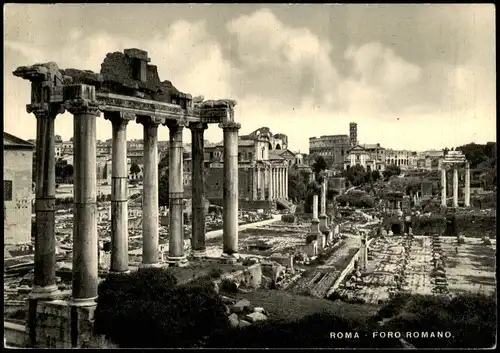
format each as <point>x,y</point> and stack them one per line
<point>319,165</point>
<point>355,175</point>
<point>375,175</point>
<point>64,171</point>
<point>297,184</point>
<point>391,170</point>
<point>135,169</point>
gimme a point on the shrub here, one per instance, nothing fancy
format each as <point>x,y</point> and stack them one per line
<point>145,309</point>
<point>312,331</point>
<point>356,198</point>
<point>228,286</point>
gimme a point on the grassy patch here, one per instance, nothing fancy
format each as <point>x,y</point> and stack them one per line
<point>287,306</point>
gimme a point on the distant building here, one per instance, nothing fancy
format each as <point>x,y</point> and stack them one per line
<point>370,157</point>
<point>258,151</point>
<point>333,148</point>
<point>404,159</point>
<point>17,189</point>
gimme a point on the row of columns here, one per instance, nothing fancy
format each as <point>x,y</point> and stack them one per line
<point>455,187</point>
<point>85,237</point>
<point>276,180</point>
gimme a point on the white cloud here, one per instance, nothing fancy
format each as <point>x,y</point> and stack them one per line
<point>283,77</point>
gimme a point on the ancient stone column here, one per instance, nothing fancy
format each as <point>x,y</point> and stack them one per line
<point>119,192</point>
<point>286,183</point>
<point>198,189</point>
<point>269,182</point>
<point>176,194</point>
<point>323,218</point>
<point>230,194</point>
<point>261,178</point>
<point>455,187</point>
<point>283,182</point>
<point>363,253</point>
<point>467,185</point>
<point>276,183</point>
<point>255,178</point>
<point>443,187</point>
<point>150,192</point>
<point>85,237</point>
<point>44,281</point>
<point>315,221</point>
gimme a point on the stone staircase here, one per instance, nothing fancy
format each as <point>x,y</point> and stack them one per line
<point>286,204</point>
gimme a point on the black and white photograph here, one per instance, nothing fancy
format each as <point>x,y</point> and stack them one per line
<point>249,175</point>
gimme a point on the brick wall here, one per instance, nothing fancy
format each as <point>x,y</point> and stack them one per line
<point>214,183</point>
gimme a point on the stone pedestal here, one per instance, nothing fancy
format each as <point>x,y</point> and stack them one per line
<point>176,254</point>
<point>198,189</point>
<point>230,192</point>
<point>85,238</point>
<point>44,283</point>
<point>119,192</point>
<point>150,192</point>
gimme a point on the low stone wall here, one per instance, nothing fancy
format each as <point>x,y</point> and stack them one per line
<point>250,277</point>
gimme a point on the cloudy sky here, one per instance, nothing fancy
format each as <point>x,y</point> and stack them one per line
<point>412,76</point>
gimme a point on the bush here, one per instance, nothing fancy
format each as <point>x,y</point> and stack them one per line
<point>358,199</point>
<point>312,331</point>
<point>145,309</point>
<point>470,319</point>
<point>228,286</point>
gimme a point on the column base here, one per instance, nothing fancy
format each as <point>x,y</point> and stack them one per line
<point>81,302</point>
<point>117,273</point>
<point>199,254</point>
<point>178,261</point>
<point>230,258</point>
<point>155,265</point>
<point>51,292</point>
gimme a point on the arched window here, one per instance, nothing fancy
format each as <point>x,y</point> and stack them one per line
<point>278,147</point>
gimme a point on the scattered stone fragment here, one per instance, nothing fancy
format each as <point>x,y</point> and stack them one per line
<point>233,320</point>
<point>256,316</point>
<point>243,323</point>
<point>240,306</point>
<point>259,310</point>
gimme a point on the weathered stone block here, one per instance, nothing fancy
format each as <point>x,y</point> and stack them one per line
<point>241,306</point>
<point>255,317</point>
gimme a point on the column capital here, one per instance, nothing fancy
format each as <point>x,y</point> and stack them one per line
<point>148,120</point>
<point>45,109</point>
<point>82,106</point>
<point>175,124</point>
<point>119,118</point>
<point>197,126</point>
<point>230,126</point>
